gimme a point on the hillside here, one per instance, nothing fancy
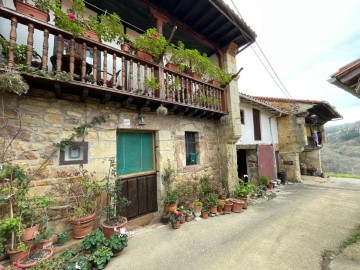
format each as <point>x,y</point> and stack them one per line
<point>341,153</point>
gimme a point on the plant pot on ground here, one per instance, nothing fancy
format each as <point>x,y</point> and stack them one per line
<point>241,191</point>
<point>205,213</point>
<point>115,203</point>
<point>84,197</point>
<point>211,201</point>
<point>34,258</point>
<point>62,237</point>
<point>237,205</point>
<point>228,206</point>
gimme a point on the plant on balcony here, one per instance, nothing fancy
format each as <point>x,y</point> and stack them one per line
<point>220,75</point>
<point>11,81</point>
<point>108,27</point>
<point>151,84</point>
<point>198,63</point>
<point>151,42</point>
<point>43,5</point>
<point>178,56</point>
<point>19,50</point>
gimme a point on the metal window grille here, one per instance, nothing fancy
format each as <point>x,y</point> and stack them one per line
<point>190,145</point>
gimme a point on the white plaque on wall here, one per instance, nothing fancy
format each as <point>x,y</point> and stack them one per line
<point>127,122</point>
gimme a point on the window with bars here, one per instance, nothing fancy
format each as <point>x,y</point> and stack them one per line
<point>191,146</point>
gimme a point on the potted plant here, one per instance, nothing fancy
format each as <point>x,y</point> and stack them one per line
<point>252,190</point>
<point>170,199</point>
<point>117,242</point>
<point>264,181</point>
<point>152,43</point>
<point>175,219</point>
<point>151,85</point>
<point>62,237</point>
<point>115,203</point>
<point>220,205</point>
<point>14,187</point>
<point>34,258</point>
<point>78,262</point>
<point>45,237</point>
<point>205,212</point>
<point>40,9</point>
<point>219,76</point>
<point>161,110</point>
<point>100,258</point>
<point>84,204</point>
<point>199,64</point>
<point>241,191</point>
<point>228,207</point>
<point>178,57</point>
<point>211,201</point>
<point>171,195</point>
<point>93,240</point>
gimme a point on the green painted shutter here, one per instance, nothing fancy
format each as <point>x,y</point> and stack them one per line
<point>134,152</point>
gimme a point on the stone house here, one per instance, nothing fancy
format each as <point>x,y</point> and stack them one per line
<point>301,133</point>
<point>195,138</point>
<point>258,147</point>
<point>348,78</point>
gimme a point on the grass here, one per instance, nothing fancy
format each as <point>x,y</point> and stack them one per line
<point>342,175</point>
<point>353,239</point>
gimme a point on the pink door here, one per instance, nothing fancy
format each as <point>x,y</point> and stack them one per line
<point>266,161</point>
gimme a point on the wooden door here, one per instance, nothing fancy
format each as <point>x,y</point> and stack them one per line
<point>266,162</point>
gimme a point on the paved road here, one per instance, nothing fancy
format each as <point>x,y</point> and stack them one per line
<point>288,232</point>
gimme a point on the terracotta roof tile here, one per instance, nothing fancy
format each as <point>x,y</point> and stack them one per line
<point>353,65</point>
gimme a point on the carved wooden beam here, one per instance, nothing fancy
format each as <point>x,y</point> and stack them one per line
<point>173,108</point>
<point>106,97</point>
<point>127,101</point>
<point>85,93</point>
<point>57,87</point>
<point>142,104</point>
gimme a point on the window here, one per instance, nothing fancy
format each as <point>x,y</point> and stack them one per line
<point>242,119</point>
<point>135,153</point>
<point>257,130</point>
<point>191,145</point>
<point>76,153</point>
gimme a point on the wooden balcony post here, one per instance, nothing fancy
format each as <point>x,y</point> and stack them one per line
<point>72,58</point>
<point>12,41</point>
<point>59,53</point>
<point>83,62</point>
<point>105,69</point>
<point>95,64</point>
<point>123,65</point>
<point>30,44</point>
<point>114,72</point>
<point>45,51</point>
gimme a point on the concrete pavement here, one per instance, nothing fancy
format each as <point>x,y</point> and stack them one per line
<point>288,232</point>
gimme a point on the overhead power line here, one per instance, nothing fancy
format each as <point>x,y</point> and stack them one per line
<point>282,87</point>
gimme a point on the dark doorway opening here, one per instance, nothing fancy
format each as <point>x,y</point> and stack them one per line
<point>241,163</point>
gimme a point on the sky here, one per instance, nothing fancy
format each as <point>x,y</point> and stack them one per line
<point>305,42</point>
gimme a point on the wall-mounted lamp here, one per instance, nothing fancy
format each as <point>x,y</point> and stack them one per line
<point>141,120</point>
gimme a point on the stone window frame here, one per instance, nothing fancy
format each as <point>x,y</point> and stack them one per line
<point>194,136</point>
<point>83,146</point>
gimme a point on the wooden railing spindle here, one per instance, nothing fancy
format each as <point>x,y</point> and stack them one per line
<point>95,64</point>
<point>45,51</point>
<point>83,62</point>
<point>12,42</point>
<point>30,44</point>
<point>114,72</point>
<point>105,69</point>
<point>72,58</point>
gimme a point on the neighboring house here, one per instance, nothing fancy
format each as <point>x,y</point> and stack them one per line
<point>258,147</point>
<point>301,133</point>
<point>348,78</point>
<point>190,137</point>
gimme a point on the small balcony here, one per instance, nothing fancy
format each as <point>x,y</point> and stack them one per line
<point>100,71</point>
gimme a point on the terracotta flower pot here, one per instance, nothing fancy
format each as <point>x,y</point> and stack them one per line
<point>190,205</point>
<point>245,202</point>
<point>228,207</point>
<point>31,11</point>
<point>219,209</point>
<point>197,208</point>
<point>215,83</point>
<point>176,225</point>
<point>110,230</point>
<point>144,56</point>
<point>237,205</point>
<point>173,67</point>
<point>171,208</point>
<point>30,233</point>
<point>46,243</point>
<point>213,209</point>
<point>183,220</point>
<point>270,186</point>
<point>82,226</point>
<point>125,47</point>
<point>222,196</point>
<point>16,255</point>
<point>21,265</point>
<point>204,215</point>
<point>91,35</point>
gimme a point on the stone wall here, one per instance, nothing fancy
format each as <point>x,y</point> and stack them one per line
<point>292,139</point>
<point>253,168</point>
<point>312,158</point>
<point>46,120</point>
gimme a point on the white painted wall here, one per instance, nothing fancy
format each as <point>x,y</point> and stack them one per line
<point>269,132</point>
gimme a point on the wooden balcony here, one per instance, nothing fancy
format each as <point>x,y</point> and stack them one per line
<point>117,75</point>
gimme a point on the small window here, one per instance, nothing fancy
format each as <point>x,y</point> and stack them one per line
<point>191,146</point>
<point>76,153</point>
<point>242,115</point>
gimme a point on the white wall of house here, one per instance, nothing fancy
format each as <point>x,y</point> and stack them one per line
<point>269,132</point>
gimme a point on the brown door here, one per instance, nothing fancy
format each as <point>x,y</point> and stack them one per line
<point>141,191</point>
<point>266,161</point>
<point>136,166</point>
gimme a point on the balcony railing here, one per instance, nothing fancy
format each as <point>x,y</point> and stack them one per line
<point>102,71</point>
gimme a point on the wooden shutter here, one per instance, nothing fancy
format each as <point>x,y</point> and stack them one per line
<point>257,130</point>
